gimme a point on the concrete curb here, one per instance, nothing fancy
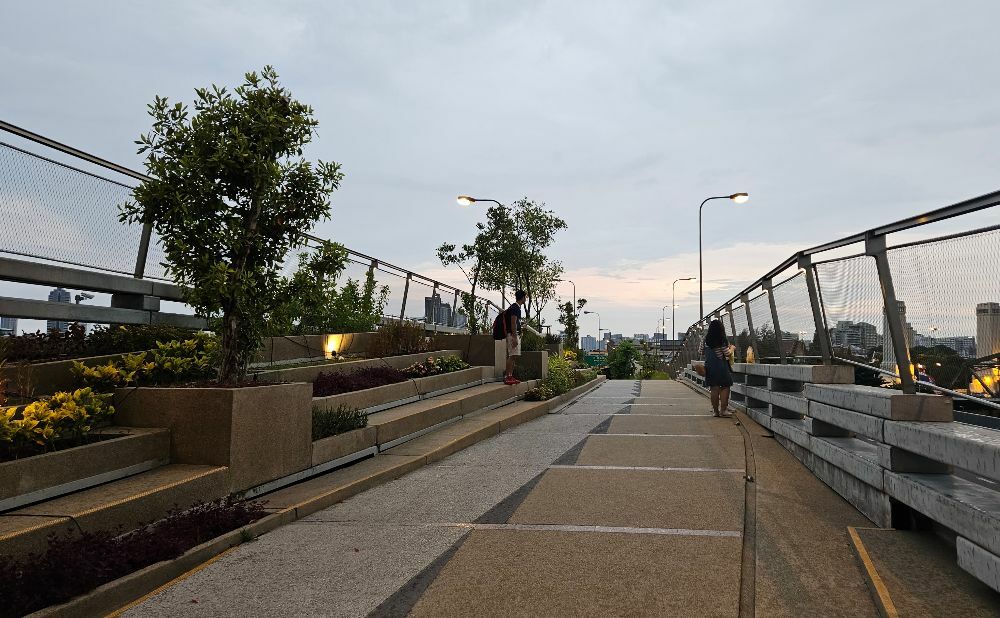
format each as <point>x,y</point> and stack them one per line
<point>115,597</point>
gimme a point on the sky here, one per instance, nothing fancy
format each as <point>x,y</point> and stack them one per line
<point>620,117</point>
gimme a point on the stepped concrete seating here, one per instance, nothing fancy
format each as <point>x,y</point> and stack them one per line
<point>879,448</point>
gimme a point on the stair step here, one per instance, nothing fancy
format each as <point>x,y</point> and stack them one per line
<point>123,503</point>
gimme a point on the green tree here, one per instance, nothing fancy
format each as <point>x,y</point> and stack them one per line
<point>230,195</point>
<point>568,318</point>
<point>622,361</point>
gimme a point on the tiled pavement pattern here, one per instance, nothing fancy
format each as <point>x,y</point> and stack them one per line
<point>628,502</point>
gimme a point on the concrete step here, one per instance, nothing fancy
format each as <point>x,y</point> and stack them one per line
<point>401,423</point>
<point>124,503</point>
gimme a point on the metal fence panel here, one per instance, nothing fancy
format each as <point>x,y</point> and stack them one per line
<point>852,300</point>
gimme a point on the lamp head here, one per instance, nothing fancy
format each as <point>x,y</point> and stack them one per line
<point>739,198</point>
<point>465,200</point>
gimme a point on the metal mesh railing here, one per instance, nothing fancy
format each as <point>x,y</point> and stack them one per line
<point>852,302</point>
<point>795,318</point>
<point>763,326</point>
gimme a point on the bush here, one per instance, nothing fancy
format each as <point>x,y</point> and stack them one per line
<point>76,564</point>
<point>63,419</point>
<point>76,342</point>
<point>530,342</point>
<point>400,337</point>
<point>169,363</point>
<point>539,393</point>
<point>333,421</point>
<point>327,384</point>
<point>561,378</point>
<point>435,366</point>
<point>622,360</point>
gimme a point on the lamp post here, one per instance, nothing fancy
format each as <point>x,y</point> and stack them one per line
<point>739,198</point>
<point>599,329</point>
<point>574,293</point>
<point>673,303</point>
<point>466,200</point>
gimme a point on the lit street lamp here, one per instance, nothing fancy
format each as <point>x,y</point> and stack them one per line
<point>465,200</point>
<point>673,304</point>
<point>739,198</point>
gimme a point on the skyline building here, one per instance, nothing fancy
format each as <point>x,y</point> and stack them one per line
<point>987,329</point>
<point>58,295</point>
<point>888,354</point>
<point>435,311</point>
<point>8,326</point>
<point>588,343</point>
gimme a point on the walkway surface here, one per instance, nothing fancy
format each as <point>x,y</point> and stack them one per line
<point>632,501</point>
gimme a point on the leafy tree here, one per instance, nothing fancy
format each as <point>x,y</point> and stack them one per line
<point>314,305</point>
<point>944,365</point>
<point>230,195</point>
<point>568,318</point>
<point>622,360</point>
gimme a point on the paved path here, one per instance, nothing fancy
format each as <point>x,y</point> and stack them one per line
<point>632,501</point>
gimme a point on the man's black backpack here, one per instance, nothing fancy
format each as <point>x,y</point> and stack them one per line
<point>499,330</point>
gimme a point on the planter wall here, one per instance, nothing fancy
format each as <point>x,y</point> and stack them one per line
<point>260,433</point>
<point>402,391</point>
<point>342,445</point>
<point>36,478</point>
<point>47,378</point>
<point>480,350</point>
<point>311,372</point>
<point>532,365</point>
<point>554,349</point>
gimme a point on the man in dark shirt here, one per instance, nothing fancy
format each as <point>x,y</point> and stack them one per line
<point>512,328</point>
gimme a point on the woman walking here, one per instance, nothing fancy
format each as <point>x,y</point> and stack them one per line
<point>718,377</point>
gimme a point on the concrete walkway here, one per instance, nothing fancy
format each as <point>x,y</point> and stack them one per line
<point>632,501</point>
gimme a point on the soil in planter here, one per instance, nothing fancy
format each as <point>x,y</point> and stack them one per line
<point>32,450</point>
<point>76,564</point>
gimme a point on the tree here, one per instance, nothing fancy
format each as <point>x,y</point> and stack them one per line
<point>230,195</point>
<point>568,318</point>
<point>622,361</point>
<point>509,252</point>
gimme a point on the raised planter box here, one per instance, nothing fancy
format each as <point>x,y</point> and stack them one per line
<point>52,376</point>
<point>309,373</point>
<point>532,365</point>
<point>401,392</point>
<point>342,445</point>
<point>41,477</point>
<point>261,433</point>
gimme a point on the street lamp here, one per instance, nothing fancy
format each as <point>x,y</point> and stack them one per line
<point>739,198</point>
<point>574,294</point>
<point>673,304</point>
<point>465,200</point>
<point>599,329</point>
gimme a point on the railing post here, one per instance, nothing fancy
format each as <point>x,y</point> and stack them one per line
<point>875,247</point>
<point>434,316</point>
<point>819,321</point>
<point>745,299</point>
<point>768,287</point>
<point>406,292</point>
<point>454,310</point>
<point>140,258</point>
<point>732,323</point>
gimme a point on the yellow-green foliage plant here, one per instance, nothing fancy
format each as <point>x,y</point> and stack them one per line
<point>170,362</point>
<point>63,418</point>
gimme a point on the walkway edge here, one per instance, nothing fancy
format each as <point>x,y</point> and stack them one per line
<point>120,595</point>
<point>880,593</point>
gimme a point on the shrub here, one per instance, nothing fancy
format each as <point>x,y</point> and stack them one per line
<point>170,362</point>
<point>63,419</point>
<point>76,564</point>
<point>75,342</point>
<point>435,366</point>
<point>560,376</point>
<point>398,337</point>
<point>332,421</point>
<point>622,361</point>
<point>539,393</point>
<point>333,383</point>
<point>530,342</point>
<point>551,339</point>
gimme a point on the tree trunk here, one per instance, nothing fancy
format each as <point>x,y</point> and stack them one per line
<point>229,366</point>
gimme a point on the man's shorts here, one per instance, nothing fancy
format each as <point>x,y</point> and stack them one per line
<point>513,350</point>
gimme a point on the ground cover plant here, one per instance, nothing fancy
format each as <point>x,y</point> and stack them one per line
<point>62,420</point>
<point>333,421</point>
<point>75,564</point>
<point>335,383</point>
<point>76,342</point>
<point>561,378</point>
<point>436,366</point>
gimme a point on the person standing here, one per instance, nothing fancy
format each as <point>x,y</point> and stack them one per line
<point>511,331</point>
<point>718,353</point>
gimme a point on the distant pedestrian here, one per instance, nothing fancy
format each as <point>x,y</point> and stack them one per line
<point>508,328</point>
<point>718,353</point>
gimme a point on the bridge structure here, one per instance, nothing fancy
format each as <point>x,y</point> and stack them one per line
<point>839,486</point>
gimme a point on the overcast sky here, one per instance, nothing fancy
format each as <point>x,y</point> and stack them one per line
<point>621,117</point>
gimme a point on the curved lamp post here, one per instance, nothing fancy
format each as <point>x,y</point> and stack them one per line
<point>739,198</point>
<point>465,200</point>
<point>673,303</point>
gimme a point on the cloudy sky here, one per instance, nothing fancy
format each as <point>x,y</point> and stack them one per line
<point>621,117</point>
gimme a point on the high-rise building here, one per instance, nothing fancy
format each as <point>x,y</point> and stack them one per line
<point>8,326</point>
<point>58,295</point>
<point>461,320</point>
<point>857,334</point>
<point>435,311</point>
<point>588,343</point>
<point>987,329</point>
<point>888,353</point>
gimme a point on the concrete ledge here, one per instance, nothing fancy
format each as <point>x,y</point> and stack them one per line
<point>790,401</point>
<point>862,424</point>
<point>794,430</point>
<point>28,480</point>
<point>309,373</point>
<point>971,510</point>
<point>759,415</point>
<point>858,458</point>
<point>985,566</point>
<point>369,397</point>
<point>882,402</point>
<point>402,421</point>
<point>342,445</point>
<point>976,449</point>
<point>444,381</point>
<point>816,374</point>
<point>752,369</point>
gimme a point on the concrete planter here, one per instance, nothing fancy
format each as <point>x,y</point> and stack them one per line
<point>480,350</point>
<point>411,390</point>
<point>432,384</point>
<point>554,349</point>
<point>311,372</point>
<point>342,445</point>
<point>532,365</point>
<point>260,433</point>
<point>52,376</point>
<point>126,451</point>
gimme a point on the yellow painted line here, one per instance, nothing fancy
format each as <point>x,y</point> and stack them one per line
<point>179,578</point>
<point>888,607</point>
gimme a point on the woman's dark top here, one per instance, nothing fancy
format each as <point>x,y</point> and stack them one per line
<point>717,367</point>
